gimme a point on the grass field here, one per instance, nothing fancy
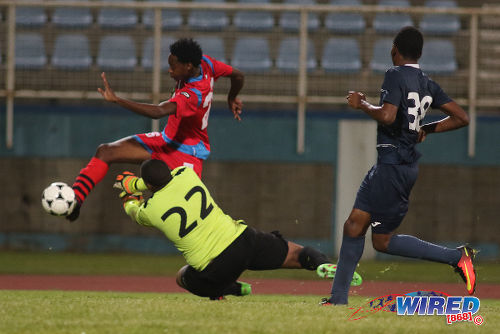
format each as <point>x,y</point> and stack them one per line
<point>114,312</point>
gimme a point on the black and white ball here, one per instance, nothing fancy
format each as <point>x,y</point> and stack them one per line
<point>58,199</point>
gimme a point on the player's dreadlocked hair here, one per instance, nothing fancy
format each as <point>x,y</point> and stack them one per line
<point>409,42</point>
<point>187,51</point>
<point>155,173</point>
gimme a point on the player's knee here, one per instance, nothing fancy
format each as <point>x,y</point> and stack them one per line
<point>353,229</point>
<point>180,274</point>
<point>380,243</point>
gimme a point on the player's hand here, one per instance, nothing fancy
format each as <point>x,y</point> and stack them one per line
<point>355,99</point>
<point>236,106</point>
<point>107,92</point>
<point>131,197</point>
<point>124,181</point>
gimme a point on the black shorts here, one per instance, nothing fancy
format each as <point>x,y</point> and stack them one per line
<point>254,250</point>
<point>384,193</point>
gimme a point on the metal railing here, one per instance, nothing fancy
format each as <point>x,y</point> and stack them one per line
<point>301,98</point>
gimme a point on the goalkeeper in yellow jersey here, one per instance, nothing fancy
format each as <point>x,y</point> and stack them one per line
<point>216,247</point>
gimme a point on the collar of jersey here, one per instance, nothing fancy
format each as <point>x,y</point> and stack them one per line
<point>198,78</point>
<point>412,65</point>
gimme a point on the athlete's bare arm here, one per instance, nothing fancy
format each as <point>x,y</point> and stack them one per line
<point>145,109</point>
<point>457,118</point>
<point>235,105</point>
<point>385,114</point>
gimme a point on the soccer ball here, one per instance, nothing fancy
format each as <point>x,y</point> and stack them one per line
<point>58,199</point>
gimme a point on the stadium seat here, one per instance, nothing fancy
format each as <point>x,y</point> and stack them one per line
<point>117,53</point>
<point>381,58</point>
<point>251,54</point>
<point>389,23</point>
<point>30,16</point>
<point>288,55</point>
<point>341,55</point>
<point>345,23</point>
<point>290,21</point>
<point>148,52</point>
<point>71,52</point>
<point>72,17</point>
<point>30,51</point>
<point>253,20</point>
<point>119,18</point>
<point>438,57</point>
<point>211,20</point>
<point>213,46</point>
<point>171,19</point>
<point>440,24</point>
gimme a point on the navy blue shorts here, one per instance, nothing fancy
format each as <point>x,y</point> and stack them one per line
<point>384,193</point>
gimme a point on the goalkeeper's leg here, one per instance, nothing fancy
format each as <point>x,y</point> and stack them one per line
<point>123,150</point>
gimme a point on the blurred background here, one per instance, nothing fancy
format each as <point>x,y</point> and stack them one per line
<point>295,161</point>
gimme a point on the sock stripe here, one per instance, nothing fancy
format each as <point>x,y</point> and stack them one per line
<point>83,184</point>
<point>87,178</point>
<point>80,195</point>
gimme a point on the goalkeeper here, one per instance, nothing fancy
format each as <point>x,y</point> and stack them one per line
<point>216,247</point>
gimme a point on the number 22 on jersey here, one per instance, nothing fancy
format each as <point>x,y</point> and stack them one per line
<point>419,109</point>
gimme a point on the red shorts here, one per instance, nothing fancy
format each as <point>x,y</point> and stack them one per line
<point>160,150</point>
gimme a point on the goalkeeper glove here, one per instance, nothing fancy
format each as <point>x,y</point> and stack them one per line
<point>126,197</point>
<point>128,182</point>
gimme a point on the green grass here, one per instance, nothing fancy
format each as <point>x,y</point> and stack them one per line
<point>92,312</point>
<point>129,264</point>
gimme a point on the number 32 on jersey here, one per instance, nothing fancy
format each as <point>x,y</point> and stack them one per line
<point>419,109</point>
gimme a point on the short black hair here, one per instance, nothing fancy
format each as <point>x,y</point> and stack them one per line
<point>187,50</point>
<point>155,172</point>
<point>409,42</point>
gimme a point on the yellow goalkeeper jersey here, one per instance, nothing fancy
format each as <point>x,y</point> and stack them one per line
<point>186,213</point>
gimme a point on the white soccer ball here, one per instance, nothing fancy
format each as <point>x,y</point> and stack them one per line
<point>58,199</point>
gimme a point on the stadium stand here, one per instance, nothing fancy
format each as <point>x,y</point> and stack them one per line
<point>66,17</point>
<point>288,55</point>
<point>171,19</point>
<point>440,24</point>
<point>290,21</point>
<point>117,53</point>
<point>345,23</point>
<point>211,20</point>
<point>213,46</point>
<point>117,18</point>
<point>389,23</point>
<point>148,51</point>
<point>341,55</point>
<point>30,51</point>
<point>381,58</point>
<point>31,16</point>
<point>253,20</point>
<point>438,57</point>
<point>71,52</point>
<point>251,54</point>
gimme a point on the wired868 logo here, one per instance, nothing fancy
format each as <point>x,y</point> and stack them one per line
<point>455,308</point>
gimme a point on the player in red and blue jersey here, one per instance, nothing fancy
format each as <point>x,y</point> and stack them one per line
<point>184,141</point>
<point>382,199</point>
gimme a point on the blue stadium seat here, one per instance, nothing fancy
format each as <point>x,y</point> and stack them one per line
<point>381,58</point>
<point>341,55</point>
<point>71,52</point>
<point>117,17</point>
<point>72,17</point>
<point>253,20</point>
<point>440,24</point>
<point>30,51</point>
<point>389,23</point>
<point>208,20</point>
<point>345,23</point>
<point>31,16</point>
<point>148,52</point>
<point>438,57</point>
<point>171,19</point>
<point>213,46</point>
<point>288,55</point>
<point>290,21</point>
<point>117,53</point>
<point>251,54</point>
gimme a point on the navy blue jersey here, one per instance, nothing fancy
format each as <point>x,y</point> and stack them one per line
<point>413,92</point>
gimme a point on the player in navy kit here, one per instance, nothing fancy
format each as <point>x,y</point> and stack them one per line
<point>382,199</point>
